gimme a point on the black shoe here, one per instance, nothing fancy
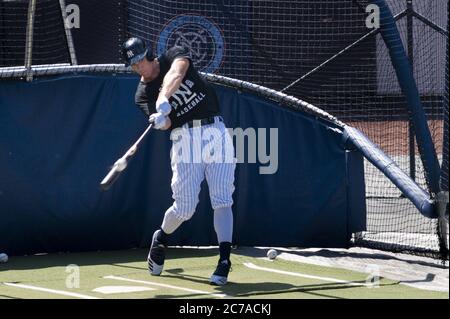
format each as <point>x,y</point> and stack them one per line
<point>220,276</point>
<point>156,256</point>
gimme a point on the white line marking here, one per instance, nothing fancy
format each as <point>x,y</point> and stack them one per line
<point>166,286</point>
<point>52,291</point>
<point>252,266</point>
<point>121,289</point>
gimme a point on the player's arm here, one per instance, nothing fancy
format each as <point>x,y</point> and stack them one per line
<point>171,83</point>
<point>172,79</point>
<point>141,100</point>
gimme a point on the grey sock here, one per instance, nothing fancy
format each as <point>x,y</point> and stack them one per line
<point>223,224</point>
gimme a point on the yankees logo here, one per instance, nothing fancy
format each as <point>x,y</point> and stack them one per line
<point>130,53</point>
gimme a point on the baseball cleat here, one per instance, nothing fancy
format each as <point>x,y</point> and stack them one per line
<point>220,276</point>
<point>156,256</point>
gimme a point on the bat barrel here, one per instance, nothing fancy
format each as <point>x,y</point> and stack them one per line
<point>122,163</point>
<point>109,179</point>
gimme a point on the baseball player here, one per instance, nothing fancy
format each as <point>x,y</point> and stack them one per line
<point>174,96</point>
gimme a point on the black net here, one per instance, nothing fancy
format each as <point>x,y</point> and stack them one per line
<point>49,41</point>
<point>444,173</point>
<point>13,24</point>
<point>94,32</point>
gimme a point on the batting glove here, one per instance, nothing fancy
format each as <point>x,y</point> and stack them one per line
<point>163,106</point>
<point>159,120</point>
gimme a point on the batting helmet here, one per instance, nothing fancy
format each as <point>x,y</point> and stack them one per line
<point>134,50</point>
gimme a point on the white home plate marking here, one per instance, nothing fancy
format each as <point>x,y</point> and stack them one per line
<point>52,291</point>
<point>151,283</point>
<point>253,266</point>
<point>121,289</point>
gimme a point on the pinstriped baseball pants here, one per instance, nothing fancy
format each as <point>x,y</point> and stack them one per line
<point>198,153</point>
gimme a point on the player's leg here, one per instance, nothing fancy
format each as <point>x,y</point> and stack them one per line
<point>223,225</point>
<point>220,178</point>
<point>186,180</point>
<point>156,255</point>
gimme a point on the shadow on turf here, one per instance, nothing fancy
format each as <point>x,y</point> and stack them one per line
<point>326,253</point>
<point>97,258</point>
<point>233,289</point>
<point>241,290</point>
<point>8,297</point>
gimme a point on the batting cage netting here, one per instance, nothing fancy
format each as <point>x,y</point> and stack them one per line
<point>330,53</point>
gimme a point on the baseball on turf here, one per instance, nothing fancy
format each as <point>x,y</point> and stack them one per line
<point>3,258</point>
<point>272,254</point>
<point>121,164</point>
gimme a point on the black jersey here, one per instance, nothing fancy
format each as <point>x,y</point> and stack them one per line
<point>194,100</point>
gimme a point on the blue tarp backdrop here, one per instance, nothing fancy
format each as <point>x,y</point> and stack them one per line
<point>59,136</point>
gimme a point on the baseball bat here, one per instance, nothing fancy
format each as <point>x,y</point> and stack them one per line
<point>120,165</point>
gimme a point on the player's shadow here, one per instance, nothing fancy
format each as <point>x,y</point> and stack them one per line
<point>272,289</point>
<point>241,290</point>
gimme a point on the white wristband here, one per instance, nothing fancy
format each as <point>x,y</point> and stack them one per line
<point>163,106</point>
